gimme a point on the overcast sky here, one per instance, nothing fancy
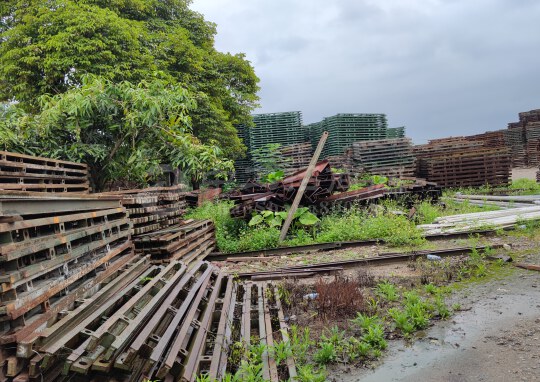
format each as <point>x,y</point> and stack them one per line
<point>439,67</point>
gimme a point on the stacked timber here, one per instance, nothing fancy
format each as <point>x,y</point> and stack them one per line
<point>522,136</point>
<point>152,208</point>
<point>19,172</point>
<point>388,157</point>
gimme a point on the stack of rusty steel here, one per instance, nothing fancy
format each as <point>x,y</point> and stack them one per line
<point>458,162</point>
<point>522,139</point>
<point>159,227</point>
<point>152,208</point>
<point>151,322</point>
<point>296,156</point>
<point>55,249</point>
<point>275,196</point>
<point>21,172</point>
<point>388,157</point>
<point>189,240</point>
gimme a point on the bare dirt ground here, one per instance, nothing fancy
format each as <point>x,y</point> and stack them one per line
<point>496,337</point>
<point>519,172</point>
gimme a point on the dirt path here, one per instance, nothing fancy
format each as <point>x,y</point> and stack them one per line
<point>496,339</point>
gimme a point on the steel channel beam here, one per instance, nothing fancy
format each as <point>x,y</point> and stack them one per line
<point>173,349</point>
<point>17,250</point>
<point>22,276</point>
<point>191,367</point>
<point>33,299</point>
<point>274,377</point>
<point>29,332</point>
<point>125,323</point>
<point>42,206</point>
<point>154,329</point>
<point>246,314</point>
<point>222,338</point>
<point>51,347</point>
<point>74,321</point>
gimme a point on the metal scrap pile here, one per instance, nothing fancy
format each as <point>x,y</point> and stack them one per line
<point>259,197</point>
<point>325,190</point>
<point>147,322</point>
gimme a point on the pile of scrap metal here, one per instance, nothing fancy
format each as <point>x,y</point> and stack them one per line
<point>325,190</point>
<point>257,197</point>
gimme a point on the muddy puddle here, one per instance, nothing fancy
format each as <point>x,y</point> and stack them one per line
<point>496,338</point>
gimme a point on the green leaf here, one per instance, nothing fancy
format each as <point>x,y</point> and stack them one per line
<point>256,220</point>
<point>308,218</point>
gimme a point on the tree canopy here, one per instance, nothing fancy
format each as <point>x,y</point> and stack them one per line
<point>121,130</point>
<point>48,46</point>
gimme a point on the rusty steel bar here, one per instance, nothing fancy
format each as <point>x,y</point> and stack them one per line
<point>173,350</point>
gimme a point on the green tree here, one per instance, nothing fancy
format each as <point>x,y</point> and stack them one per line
<point>122,131</point>
<point>48,46</point>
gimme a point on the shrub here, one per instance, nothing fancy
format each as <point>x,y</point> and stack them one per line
<point>338,297</point>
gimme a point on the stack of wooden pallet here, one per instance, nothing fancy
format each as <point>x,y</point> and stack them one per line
<point>388,157</point>
<point>347,128</point>
<point>21,172</point>
<point>153,208</point>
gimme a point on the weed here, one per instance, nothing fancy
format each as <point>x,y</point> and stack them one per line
<point>300,343</point>
<point>442,308</point>
<point>418,314</point>
<point>456,306</point>
<point>325,354</point>
<point>375,337</point>
<point>411,297</point>
<point>338,297</point>
<point>256,351</point>
<point>431,289</point>
<point>334,336</point>
<point>365,321</point>
<point>307,373</point>
<point>284,295</point>
<point>372,306</point>
<point>281,351</point>
<point>387,290</point>
<point>354,349</point>
<point>402,321</point>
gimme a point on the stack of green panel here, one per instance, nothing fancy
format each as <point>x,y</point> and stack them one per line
<point>395,132</point>
<point>283,128</point>
<point>344,129</point>
<point>244,167</point>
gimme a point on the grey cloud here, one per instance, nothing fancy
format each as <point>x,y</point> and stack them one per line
<point>440,67</point>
